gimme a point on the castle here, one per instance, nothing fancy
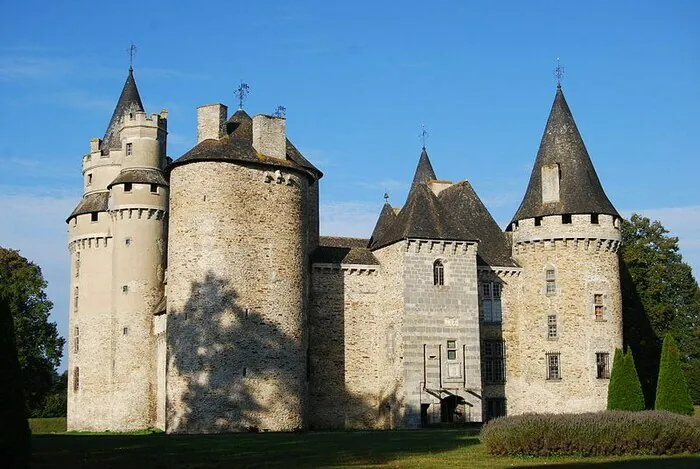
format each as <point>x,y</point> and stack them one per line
<point>204,299</point>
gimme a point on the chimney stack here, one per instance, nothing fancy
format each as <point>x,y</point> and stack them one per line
<point>269,136</point>
<point>211,121</point>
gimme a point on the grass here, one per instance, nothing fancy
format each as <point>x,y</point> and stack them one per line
<point>51,425</point>
<point>409,449</point>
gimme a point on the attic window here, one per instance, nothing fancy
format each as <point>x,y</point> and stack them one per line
<point>127,187</point>
<point>594,219</point>
<point>566,219</point>
<point>129,148</point>
<point>538,221</point>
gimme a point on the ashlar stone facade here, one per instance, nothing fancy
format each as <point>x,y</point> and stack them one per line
<point>204,300</point>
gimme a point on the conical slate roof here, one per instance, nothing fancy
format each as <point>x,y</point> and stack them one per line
<point>580,190</point>
<point>129,101</point>
<point>386,219</point>
<point>424,171</point>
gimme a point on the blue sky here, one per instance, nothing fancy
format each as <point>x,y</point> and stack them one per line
<point>358,80</point>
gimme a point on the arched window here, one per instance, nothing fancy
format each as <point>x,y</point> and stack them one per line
<point>438,273</point>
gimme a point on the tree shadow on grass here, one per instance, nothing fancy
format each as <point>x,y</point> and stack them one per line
<point>313,449</point>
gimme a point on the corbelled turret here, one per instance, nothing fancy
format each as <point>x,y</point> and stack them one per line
<point>563,180</point>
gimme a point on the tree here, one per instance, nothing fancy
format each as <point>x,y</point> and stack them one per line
<point>39,347</point>
<point>14,427</point>
<point>672,388</point>
<point>659,296</point>
<point>624,390</point>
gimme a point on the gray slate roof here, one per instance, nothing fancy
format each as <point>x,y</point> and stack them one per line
<point>386,219</point>
<point>424,170</point>
<point>96,202</point>
<point>342,250</point>
<point>129,101</point>
<point>141,176</point>
<point>580,190</point>
<point>238,146</point>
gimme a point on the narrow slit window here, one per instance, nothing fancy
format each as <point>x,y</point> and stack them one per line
<point>76,340</point>
<point>599,307</point>
<point>76,378</point>
<point>75,299</point>
<point>89,179</point>
<point>77,264</point>
<point>129,149</point>
<point>438,273</point>
<point>125,288</point>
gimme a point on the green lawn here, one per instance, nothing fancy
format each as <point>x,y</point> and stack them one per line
<point>410,449</point>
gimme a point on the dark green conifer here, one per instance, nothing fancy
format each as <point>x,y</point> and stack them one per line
<point>624,389</point>
<point>671,387</point>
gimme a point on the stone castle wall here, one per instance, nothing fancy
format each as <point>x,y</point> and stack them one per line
<point>584,258</point>
<point>237,273</point>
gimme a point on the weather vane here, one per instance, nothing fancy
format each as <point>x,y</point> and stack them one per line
<point>281,111</point>
<point>423,135</point>
<point>242,93</point>
<point>131,51</point>
<point>386,197</point>
<point>559,72</point>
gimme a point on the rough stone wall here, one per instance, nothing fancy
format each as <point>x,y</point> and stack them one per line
<point>211,121</point>
<point>269,136</point>
<point>90,324</point>
<point>433,315</point>
<point>314,218</point>
<point>584,257</point>
<point>236,325</point>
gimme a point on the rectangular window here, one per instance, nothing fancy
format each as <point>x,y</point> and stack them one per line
<point>538,221</point>
<point>599,307</point>
<point>93,217</point>
<point>77,264</point>
<point>452,350</point>
<point>76,378</point>
<point>602,361</point>
<point>129,149</point>
<point>566,219</point>
<point>76,340</point>
<point>493,362</point>
<point>551,281</point>
<point>594,218</point>
<point>154,188</point>
<point>553,371</point>
<point>125,331</point>
<point>89,179</point>
<point>127,242</point>
<point>552,326</point>
<point>490,302</point>
<point>127,187</point>
<point>125,289</point>
<point>75,299</point>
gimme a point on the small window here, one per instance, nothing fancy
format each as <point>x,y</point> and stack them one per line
<point>552,326</point>
<point>566,219</point>
<point>93,217</point>
<point>594,218</point>
<point>154,188</point>
<point>89,179</point>
<point>131,116</point>
<point>76,339</point>
<point>125,288</point>
<point>538,221</point>
<point>550,281</point>
<point>77,264</point>
<point>125,331</point>
<point>129,148</point>
<point>438,273</point>
<point>602,361</point>
<point>75,299</point>
<point>76,378</point>
<point>127,187</point>
<point>127,242</point>
<point>493,362</point>
<point>490,302</point>
<point>599,307</point>
<point>553,371</point>
<point>452,350</point>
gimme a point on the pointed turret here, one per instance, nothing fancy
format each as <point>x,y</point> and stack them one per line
<point>386,219</point>
<point>424,171</point>
<point>129,101</point>
<point>563,180</point>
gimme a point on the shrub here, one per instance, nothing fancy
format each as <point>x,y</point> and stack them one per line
<point>624,390</point>
<point>672,388</point>
<point>592,434</point>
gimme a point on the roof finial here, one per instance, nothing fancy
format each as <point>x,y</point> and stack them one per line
<point>386,197</point>
<point>281,111</point>
<point>559,73</point>
<point>242,93</point>
<point>131,51</point>
<point>423,135</point>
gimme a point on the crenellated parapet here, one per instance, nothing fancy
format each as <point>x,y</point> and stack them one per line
<point>434,246</point>
<point>586,232</point>
<point>347,269</point>
<point>138,213</point>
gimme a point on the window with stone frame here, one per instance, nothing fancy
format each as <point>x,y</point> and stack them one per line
<point>490,311</point>
<point>602,361</point>
<point>550,278</point>
<point>76,339</point>
<point>75,299</point>
<point>76,378</point>
<point>129,149</point>
<point>452,350</point>
<point>552,331</point>
<point>493,362</point>
<point>553,365</point>
<point>599,306</point>
<point>77,263</point>
<point>438,273</point>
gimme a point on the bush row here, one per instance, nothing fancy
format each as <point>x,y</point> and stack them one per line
<point>593,434</point>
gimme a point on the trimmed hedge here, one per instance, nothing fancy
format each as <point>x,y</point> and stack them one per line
<point>671,387</point>
<point>624,390</point>
<point>592,434</point>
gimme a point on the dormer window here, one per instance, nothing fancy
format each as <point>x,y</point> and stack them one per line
<point>438,273</point>
<point>127,187</point>
<point>129,149</point>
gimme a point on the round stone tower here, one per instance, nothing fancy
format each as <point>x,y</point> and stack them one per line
<point>138,206</point>
<point>238,261</point>
<point>562,336</point>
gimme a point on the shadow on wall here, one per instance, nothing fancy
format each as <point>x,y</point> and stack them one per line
<point>639,336</point>
<point>238,370</point>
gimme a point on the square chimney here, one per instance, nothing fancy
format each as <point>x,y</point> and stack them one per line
<point>269,136</point>
<point>211,121</point>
